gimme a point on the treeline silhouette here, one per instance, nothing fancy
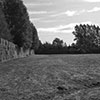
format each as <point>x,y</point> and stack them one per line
<point>87,40</point>
<point>15,25</point>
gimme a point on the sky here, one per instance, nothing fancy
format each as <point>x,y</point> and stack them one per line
<point>57,18</point>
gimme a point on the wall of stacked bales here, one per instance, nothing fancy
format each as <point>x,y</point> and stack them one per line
<point>9,51</point>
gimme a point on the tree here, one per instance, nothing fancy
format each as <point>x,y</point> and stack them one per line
<point>4,31</point>
<point>57,42</point>
<point>87,37</point>
<point>56,47</point>
<point>35,38</point>
<point>18,22</point>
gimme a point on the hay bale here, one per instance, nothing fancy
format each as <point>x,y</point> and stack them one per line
<point>2,41</point>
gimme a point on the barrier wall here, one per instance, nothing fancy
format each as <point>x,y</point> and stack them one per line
<point>9,51</point>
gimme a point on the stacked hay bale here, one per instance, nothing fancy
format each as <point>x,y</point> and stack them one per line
<point>3,50</point>
<point>7,50</point>
<point>11,48</point>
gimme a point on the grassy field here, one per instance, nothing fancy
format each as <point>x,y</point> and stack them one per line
<point>51,77</point>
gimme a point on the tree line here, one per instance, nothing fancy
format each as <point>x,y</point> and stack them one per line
<point>87,40</point>
<point>15,25</point>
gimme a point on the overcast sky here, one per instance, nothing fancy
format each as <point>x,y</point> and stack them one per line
<point>57,18</point>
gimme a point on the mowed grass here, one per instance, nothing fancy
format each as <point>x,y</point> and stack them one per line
<point>51,77</point>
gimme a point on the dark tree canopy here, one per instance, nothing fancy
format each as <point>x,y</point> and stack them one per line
<point>56,47</point>
<point>87,37</point>
<point>35,38</point>
<point>20,27</point>
<point>57,42</point>
<point>17,18</point>
<point>4,30</point>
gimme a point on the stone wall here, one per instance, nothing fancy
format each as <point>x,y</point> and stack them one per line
<point>9,51</point>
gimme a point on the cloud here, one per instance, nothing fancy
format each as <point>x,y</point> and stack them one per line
<point>58,14</point>
<point>68,13</point>
<point>55,29</point>
<point>62,28</point>
<point>37,12</point>
<point>38,4</point>
<point>35,19</point>
<point>81,12</point>
<point>71,13</point>
<point>92,1</point>
<point>42,20</point>
<point>95,9</point>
